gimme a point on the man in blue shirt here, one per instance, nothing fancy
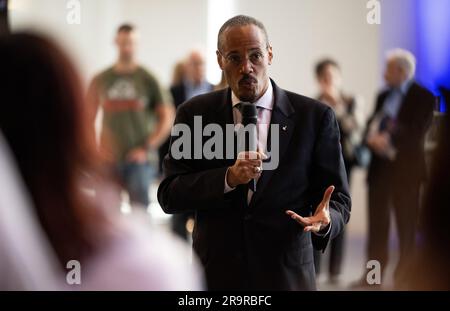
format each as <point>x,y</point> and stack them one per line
<point>194,83</point>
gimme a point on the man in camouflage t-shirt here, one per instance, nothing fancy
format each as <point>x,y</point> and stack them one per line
<point>137,117</point>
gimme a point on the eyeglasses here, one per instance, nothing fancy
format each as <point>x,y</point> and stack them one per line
<point>235,59</point>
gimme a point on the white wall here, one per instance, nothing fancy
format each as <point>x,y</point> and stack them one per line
<point>398,30</point>
<point>168,29</point>
<point>301,32</point>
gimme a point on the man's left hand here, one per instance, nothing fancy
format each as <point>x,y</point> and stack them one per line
<point>321,218</point>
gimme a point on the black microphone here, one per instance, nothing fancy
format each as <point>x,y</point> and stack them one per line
<point>250,116</point>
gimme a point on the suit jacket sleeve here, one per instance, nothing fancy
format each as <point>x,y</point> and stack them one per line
<point>328,169</point>
<point>413,128</point>
<point>187,186</point>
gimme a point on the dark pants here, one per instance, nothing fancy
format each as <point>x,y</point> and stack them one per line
<point>337,244</point>
<point>387,194</point>
<point>336,256</point>
<point>136,179</point>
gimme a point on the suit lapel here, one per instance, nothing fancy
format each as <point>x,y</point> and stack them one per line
<point>224,113</point>
<point>280,116</point>
<point>224,116</point>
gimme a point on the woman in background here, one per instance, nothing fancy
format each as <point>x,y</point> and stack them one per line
<point>45,121</point>
<point>349,117</point>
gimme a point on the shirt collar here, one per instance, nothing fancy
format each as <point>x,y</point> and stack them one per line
<point>405,86</point>
<point>266,101</point>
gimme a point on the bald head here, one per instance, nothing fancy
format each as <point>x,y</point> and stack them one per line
<point>195,67</point>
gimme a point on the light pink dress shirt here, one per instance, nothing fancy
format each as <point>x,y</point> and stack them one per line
<point>264,105</point>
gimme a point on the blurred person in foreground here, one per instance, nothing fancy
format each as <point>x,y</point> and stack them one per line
<point>395,136</point>
<point>429,269</point>
<point>349,115</point>
<point>26,260</point>
<point>137,117</point>
<point>46,125</point>
<point>263,238</point>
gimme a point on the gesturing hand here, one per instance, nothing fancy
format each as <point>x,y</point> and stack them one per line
<point>321,217</point>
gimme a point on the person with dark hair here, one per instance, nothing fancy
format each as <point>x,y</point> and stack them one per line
<point>125,28</point>
<point>258,238</point>
<point>45,121</point>
<point>137,117</point>
<point>350,118</point>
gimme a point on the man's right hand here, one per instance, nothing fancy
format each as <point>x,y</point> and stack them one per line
<point>247,167</point>
<point>379,143</point>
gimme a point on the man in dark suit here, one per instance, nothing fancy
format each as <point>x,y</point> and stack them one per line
<point>264,239</point>
<point>395,135</point>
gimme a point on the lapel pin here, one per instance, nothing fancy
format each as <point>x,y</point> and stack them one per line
<point>284,128</point>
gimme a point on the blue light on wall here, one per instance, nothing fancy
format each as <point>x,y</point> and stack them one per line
<point>433,45</point>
